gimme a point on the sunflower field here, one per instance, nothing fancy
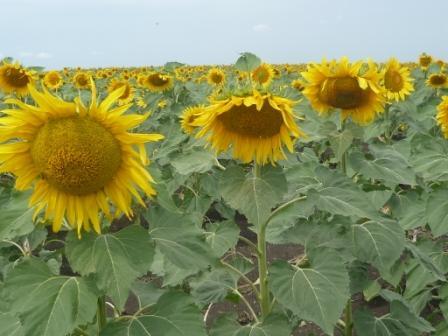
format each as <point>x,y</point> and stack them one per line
<point>242,200</point>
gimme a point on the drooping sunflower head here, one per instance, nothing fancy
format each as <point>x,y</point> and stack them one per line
<point>397,80</point>
<point>15,79</point>
<point>80,160</point>
<point>158,82</point>
<point>353,88</point>
<point>216,77</point>
<point>425,61</point>
<point>189,116</point>
<point>81,80</point>
<point>53,80</point>
<point>256,126</point>
<point>437,81</point>
<point>263,74</point>
<point>442,116</point>
<point>128,93</point>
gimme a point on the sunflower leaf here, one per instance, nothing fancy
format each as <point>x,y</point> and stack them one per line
<point>273,325</point>
<point>247,62</point>
<point>253,196</point>
<point>174,314</point>
<point>49,305</point>
<point>16,218</point>
<point>317,293</point>
<point>116,259</point>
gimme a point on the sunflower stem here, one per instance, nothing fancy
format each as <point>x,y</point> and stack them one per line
<point>348,319</point>
<point>264,297</point>
<point>101,313</point>
<point>388,133</point>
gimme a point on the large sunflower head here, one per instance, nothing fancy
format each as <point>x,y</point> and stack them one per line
<point>128,93</point>
<point>53,80</point>
<point>352,88</point>
<point>442,116</point>
<point>437,81</point>
<point>263,74</point>
<point>216,77</point>
<point>188,117</point>
<point>81,80</point>
<point>298,85</point>
<point>15,79</point>
<point>158,82</point>
<point>79,159</point>
<point>256,126</point>
<point>397,80</point>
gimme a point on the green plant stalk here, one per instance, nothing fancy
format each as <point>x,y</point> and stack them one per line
<point>264,298</point>
<point>348,319</point>
<point>388,133</point>
<point>101,313</point>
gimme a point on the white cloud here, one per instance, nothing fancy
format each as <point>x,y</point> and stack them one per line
<point>261,28</point>
<point>43,55</point>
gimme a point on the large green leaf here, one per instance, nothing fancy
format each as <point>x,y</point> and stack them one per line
<point>378,242</point>
<point>436,212</point>
<point>388,165</point>
<point>116,259</point>
<point>251,195</point>
<point>273,325</point>
<point>247,62</point>
<point>193,162</point>
<point>10,325</point>
<point>222,236</point>
<point>47,304</point>
<point>317,293</point>
<point>340,142</point>
<point>174,315</point>
<point>180,239</point>
<point>213,286</point>
<point>16,218</point>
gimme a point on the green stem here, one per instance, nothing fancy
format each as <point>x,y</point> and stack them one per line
<point>348,319</point>
<point>388,133</point>
<point>243,276</point>
<point>263,273</point>
<point>264,298</point>
<point>249,243</point>
<point>101,313</point>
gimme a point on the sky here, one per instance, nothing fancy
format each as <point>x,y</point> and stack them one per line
<point>101,33</point>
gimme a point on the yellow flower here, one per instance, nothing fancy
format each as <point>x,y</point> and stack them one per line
<point>128,93</point>
<point>298,85</point>
<point>442,116</point>
<point>81,80</point>
<point>255,126</point>
<point>216,76</point>
<point>425,61</point>
<point>53,80</point>
<point>188,117</point>
<point>79,159</point>
<point>397,80</point>
<point>353,88</point>
<point>162,103</point>
<point>437,81</point>
<point>263,74</point>
<point>15,79</point>
<point>158,82</point>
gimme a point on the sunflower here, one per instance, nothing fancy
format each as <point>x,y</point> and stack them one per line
<point>397,80</point>
<point>158,82</point>
<point>188,117</point>
<point>128,93</point>
<point>79,159</point>
<point>425,61</point>
<point>353,88</point>
<point>442,116</point>
<point>437,81</point>
<point>263,74</point>
<point>298,85</point>
<point>216,77</point>
<point>53,80</point>
<point>256,126</point>
<point>81,80</point>
<point>15,78</point>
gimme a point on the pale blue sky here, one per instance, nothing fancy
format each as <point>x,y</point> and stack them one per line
<point>57,33</point>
